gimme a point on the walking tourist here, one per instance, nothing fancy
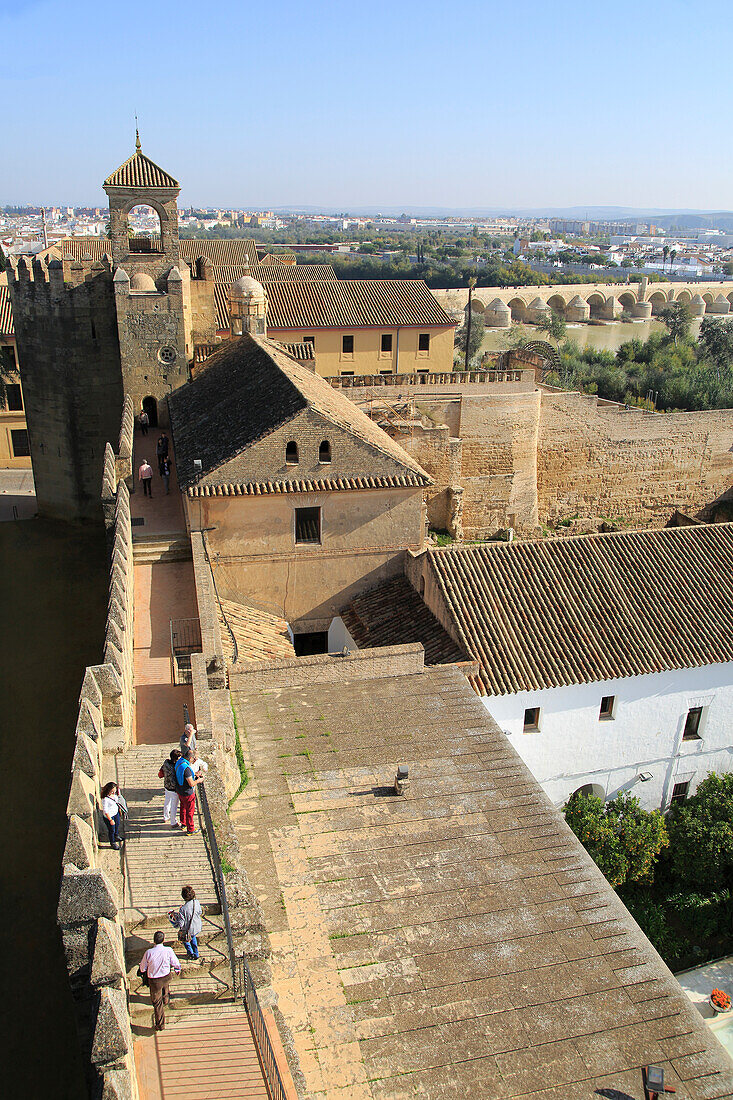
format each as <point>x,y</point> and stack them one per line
<point>144,420</point>
<point>112,812</point>
<point>188,921</point>
<point>146,476</point>
<point>186,783</point>
<point>168,774</point>
<point>188,737</point>
<point>166,473</point>
<point>161,450</point>
<point>158,962</point>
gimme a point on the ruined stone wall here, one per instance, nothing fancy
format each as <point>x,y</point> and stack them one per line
<point>597,459</point>
<point>89,912</point>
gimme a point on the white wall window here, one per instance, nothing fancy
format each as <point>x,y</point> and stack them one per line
<point>608,707</point>
<point>532,719</point>
<point>679,792</point>
<point>692,731</point>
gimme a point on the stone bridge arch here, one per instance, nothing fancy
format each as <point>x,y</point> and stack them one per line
<point>518,308</point>
<point>557,303</point>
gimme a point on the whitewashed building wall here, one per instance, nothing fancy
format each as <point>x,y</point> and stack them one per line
<point>574,746</point>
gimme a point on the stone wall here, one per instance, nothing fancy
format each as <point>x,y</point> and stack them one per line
<point>72,380</point>
<point>325,668</point>
<point>598,459</point>
<point>89,912</point>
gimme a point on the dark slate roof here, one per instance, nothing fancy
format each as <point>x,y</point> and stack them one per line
<point>249,387</point>
<point>393,614</point>
<point>593,607</point>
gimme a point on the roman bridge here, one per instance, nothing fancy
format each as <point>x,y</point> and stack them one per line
<point>585,301</point>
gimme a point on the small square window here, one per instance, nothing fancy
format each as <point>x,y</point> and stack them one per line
<point>386,343</point>
<point>19,440</point>
<point>13,397</point>
<point>531,719</point>
<point>608,706</point>
<point>310,340</point>
<point>347,374</point>
<point>347,345</point>
<point>387,371</point>
<point>679,792</point>
<point>692,724</point>
<point>307,525</point>
<point>423,342</point>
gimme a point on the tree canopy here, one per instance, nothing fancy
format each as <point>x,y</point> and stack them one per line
<point>676,318</point>
<point>701,834</point>
<point>622,839</point>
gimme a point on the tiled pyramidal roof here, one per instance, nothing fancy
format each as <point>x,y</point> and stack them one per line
<point>140,171</point>
<point>393,614</point>
<point>598,607</point>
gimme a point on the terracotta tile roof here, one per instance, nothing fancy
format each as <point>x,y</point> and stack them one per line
<point>236,251</point>
<point>7,328</point>
<point>227,274</point>
<point>304,352</point>
<point>354,303</point>
<point>305,485</point>
<point>140,171</point>
<point>246,390</point>
<point>592,607</point>
<point>393,614</point>
<point>259,635</point>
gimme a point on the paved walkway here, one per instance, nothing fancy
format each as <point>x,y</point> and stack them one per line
<point>160,514</point>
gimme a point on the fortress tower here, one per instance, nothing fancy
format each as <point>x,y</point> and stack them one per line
<point>88,333</point>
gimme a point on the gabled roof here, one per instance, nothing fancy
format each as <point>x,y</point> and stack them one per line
<point>140,171</point>
<point>354,303</point>
<point>392,613</point>
<point>244,392</point>
<point>592,607</point>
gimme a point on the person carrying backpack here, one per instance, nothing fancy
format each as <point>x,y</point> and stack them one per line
<point>186,783</point>
<point>168,774</point>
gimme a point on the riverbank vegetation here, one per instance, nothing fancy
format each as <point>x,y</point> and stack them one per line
<point>674,872</point>
<point>667,371</point>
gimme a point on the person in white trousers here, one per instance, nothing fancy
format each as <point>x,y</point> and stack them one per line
<point>168,774</point>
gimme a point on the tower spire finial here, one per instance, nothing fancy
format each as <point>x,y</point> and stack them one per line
<point>138,147</point>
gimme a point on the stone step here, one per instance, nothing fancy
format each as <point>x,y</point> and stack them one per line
<point>155,915</point>
<point>183,993</point>
<point>204,1014</point>
<point>149,549</point>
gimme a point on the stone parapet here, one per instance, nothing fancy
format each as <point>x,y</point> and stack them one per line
<point>88,911</point>
<point>325,668</point>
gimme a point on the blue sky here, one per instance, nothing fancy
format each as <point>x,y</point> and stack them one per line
<point>538,103</point>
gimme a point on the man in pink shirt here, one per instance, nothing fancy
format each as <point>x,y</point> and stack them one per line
<point>157,963</point>
<point>146,476</point>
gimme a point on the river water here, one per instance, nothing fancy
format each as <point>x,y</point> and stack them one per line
<point>53,589</point>
<point>610,335</point>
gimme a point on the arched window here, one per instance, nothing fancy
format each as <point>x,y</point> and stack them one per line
<point>324,451</point>
<point>144,230</point>
<point>291,453</point>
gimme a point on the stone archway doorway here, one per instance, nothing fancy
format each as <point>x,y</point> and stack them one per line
<point>150,406</point>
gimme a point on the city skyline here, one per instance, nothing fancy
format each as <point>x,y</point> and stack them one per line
<point>394,106</point>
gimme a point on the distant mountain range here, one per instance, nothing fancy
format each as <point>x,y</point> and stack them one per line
<point>688,219</point>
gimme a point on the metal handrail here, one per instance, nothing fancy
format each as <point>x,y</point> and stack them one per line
<point>242,982</point>
<point>268,1062</point>
<point>219,880</point>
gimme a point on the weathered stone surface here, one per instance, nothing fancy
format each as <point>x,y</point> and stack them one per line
<point>82,797</point>
<point>78,940</point>
<point>119,1084</point>
<point>80,849</point>
<point>89,721</point>
<point>86,895</point>
<point>86,757</point>
<point>108,961</point>
<point>90,689</point>
<point>112,1036</point>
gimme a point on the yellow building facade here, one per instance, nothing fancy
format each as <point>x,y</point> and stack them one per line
<point>347,351</point>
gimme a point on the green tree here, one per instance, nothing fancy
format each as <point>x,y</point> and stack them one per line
<point>622,839</point>
<point>665,253</point>
<point>554,325</point>
<point>676,318</point>
<point>475,339</point>
<point>701,835</point>
<point>716,343</point>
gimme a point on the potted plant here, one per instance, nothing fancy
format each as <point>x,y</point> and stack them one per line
<point>720,1001</point>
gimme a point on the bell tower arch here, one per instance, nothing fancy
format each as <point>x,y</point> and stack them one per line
<point>152,288</point>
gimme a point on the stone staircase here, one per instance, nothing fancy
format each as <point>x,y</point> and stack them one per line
<point>150,549</point>
<point>158,862</point>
